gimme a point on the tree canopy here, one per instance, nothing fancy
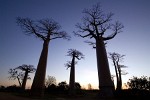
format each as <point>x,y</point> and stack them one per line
<point>45,29</point>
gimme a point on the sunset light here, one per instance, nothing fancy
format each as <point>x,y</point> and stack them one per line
<point>48,34</point>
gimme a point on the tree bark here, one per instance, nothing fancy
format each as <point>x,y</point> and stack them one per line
<point>117,76</point>
<point>24,80</point>
<point>120,79</point>
<point>38,84</point>
<point>19,81</point>
<point>106,85</point>
<point>72,77</point>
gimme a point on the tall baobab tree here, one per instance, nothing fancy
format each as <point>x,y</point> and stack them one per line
<point>95,26</point>
<point>117,59</point>
<point>27,69</point>
<point>78,55</point>
<point>46,30</point>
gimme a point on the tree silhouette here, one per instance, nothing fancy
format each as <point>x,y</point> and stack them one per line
<point>78,55</point>
<point>77,86</point>
<point>15,74</point>
<point>117,59</point>
<point>95,24</point>
<point>63,86</point>
<point>28,69</point>
<point>142,83</point>
<point>46,30</point>
<point>50,80</point>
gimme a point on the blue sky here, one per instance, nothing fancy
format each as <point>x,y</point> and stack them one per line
<point>16,48</point>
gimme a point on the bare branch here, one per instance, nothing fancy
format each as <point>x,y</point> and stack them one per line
<point>83,36</point>
<point>91,43</point>
<point>28,68</point>
<point>50,80</point>
<point>117,29</point>
<point>95,23</point>
<point>61,34</point>
<point>75,53</point>
<point>68,64</point>
<point>14,74</point>
<point>82,29</point>
<point>29,26</point>
<point>46,29</point>
<point>117,58</point>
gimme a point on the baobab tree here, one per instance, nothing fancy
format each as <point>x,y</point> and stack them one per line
<point>21,73</point>
<point>15,74</point>
<point>117,59</point>
<point>46,30</point>
<point>78,55</point>
<point>95,25</point>
<point>27,69</point>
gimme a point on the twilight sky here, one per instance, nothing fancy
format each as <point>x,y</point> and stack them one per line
<point>16,48</point>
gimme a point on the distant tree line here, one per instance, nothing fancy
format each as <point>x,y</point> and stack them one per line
<point>141,83</point>
<point>62,88</point>
<point>138,89</point>
<point>50,86</point>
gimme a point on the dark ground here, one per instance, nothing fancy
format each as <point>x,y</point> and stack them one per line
<point>84,95</point>
<point>14,96</point>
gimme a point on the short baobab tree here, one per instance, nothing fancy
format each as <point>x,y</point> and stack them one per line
<point>78,55</point>
<point>21,73</point>
<point>95,25</point>
<point>27,69</point>
<point>46,30</point>
<point>15,74</point>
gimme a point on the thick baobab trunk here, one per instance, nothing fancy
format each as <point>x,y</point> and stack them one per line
<point>38,84</point>
<point>106,85</point>
<point>72,77</point>
<point>24,80</point>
